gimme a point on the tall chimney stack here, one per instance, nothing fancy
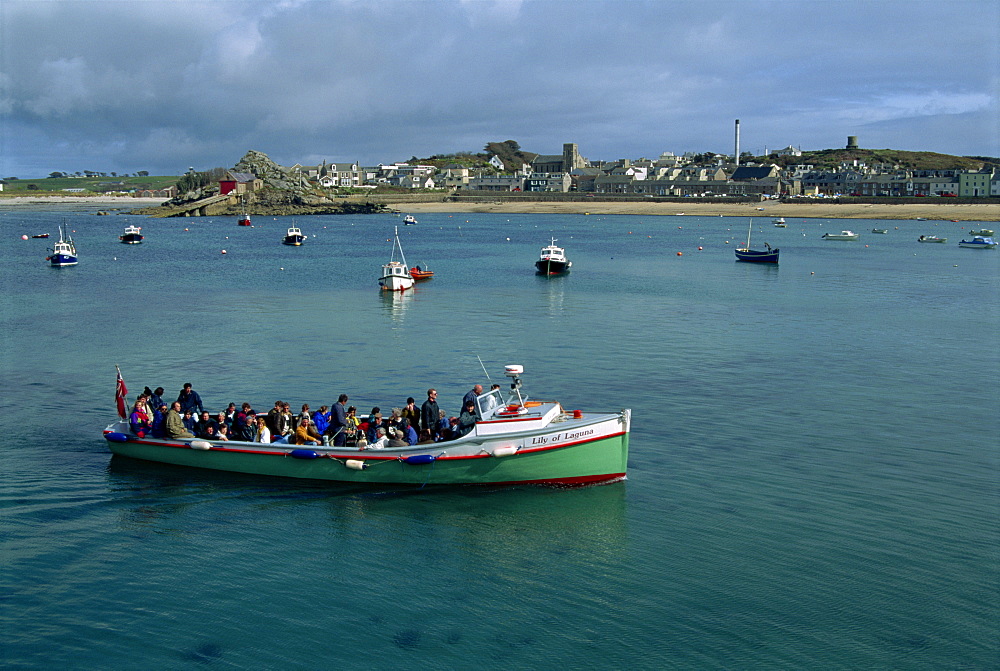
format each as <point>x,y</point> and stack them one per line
<point>737,143</point>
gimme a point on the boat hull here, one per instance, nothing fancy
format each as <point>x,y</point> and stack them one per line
<point>131,239</point>
<point>977,245</point>
<point>751,256</point>
<point>552,267</point>
<point>574,453</point>
<point>926,239</point>
<point>396,283</point>
<point>60,260</point>
<point>293,241</point>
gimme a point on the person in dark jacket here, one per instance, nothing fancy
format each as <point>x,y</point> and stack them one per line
<point>429,413</point>
<point>190,400</point>
<point>467,420</point>
<point>156,399</point>
<point>412,413</point>
<point>159,417</point>
<point>190,421</point>
<point>338,421</point>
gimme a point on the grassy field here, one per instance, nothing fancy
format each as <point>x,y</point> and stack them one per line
<point>90,185</point>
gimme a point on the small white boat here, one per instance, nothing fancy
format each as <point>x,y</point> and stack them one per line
<point>63,252</point>
<point>931,238</point>
<point>293,237</point>
<point>409,220</point>
<point>396,274</point>
<point>132,235</point>
<point>552,260</point>
<point>883,231</point>
<point>843,235</point>
<point>780,223</point>
<point>985,232</point>
<point>978,242</point>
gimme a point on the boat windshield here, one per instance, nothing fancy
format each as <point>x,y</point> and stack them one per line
<point>487,401</point>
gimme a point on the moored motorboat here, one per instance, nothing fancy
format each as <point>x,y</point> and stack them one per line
<point>409,220</point>
<point>843,235</point>
<point>552,260</point>
<point>985,232</point>
<point>516,440</point>
<point>978,242</point>
<point>396,274</point>
<point>779,223</point>
<point>244,220</point>
<point>41,235</point>
<point>63,252</point>
<point>767,255</point>
<point>132,235</point>
<point>931,238</point>
<point>293,237</point>
<point>883,231</point>
<point>419,273</point>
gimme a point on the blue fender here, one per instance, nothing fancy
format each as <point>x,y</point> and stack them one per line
<point>417,459</point>
<point>116,437</point>
<point>304,454</point>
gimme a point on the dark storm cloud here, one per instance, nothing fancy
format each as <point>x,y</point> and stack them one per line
<point>163,86</point>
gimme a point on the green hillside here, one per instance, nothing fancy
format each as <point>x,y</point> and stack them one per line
<point>90,185</point>
<point>915,160</point>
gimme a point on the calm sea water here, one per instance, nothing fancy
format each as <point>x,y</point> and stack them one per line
<point>813,477</point>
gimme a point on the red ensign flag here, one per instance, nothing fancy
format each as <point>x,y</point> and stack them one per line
<point>120,394</point>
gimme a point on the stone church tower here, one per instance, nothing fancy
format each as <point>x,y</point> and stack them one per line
<point>571,157</point>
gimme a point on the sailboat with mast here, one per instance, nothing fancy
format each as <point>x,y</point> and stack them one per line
<point>754,256</point>
<point>396,274</point>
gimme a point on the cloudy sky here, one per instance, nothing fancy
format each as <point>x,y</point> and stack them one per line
<point>167,84</point>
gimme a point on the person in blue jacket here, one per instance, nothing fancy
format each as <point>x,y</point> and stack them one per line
<point>159,417</point>
<point>409,434</point>
<point>321,419</point>
<point>190,400</point>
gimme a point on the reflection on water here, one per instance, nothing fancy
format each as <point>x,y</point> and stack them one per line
<point>553,287</point>
<point>394,303</point>
<point>486,523</point>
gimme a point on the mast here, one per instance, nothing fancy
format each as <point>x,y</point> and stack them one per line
<point>748,233</point>
<point>400,246</point>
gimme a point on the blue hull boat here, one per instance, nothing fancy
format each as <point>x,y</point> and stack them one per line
<point>756,256</point>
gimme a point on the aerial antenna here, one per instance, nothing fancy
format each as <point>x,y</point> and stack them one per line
<point>484,369</point>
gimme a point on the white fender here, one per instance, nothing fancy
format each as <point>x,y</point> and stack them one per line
<point>200,445</point>
<point>356,464</point>
<point>504,451</point>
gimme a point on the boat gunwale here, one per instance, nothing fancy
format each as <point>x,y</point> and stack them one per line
<point>396,453</point>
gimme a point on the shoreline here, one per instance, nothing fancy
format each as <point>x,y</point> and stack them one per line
<point>767,209</point>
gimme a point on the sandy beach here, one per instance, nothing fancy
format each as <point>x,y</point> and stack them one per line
<point>936,210</point>
<point>772,209</point>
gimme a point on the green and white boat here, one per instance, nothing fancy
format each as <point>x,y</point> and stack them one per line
<point>516,440</point>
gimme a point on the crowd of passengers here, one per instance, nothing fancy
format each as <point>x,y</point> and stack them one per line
<point>337,425</point>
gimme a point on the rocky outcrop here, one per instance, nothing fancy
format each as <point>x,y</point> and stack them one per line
<point>284,193</point>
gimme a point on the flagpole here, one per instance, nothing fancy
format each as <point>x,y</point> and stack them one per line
<point>120,391</point>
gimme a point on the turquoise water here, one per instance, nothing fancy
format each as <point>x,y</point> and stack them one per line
<point>813,476</point>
